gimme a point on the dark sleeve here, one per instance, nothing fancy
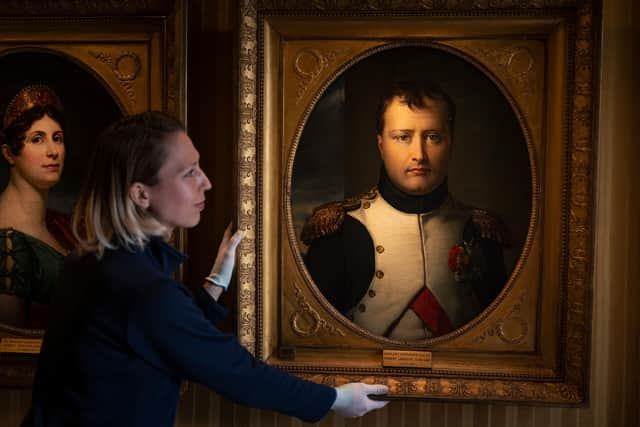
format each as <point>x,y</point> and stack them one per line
<point>213,310</point>
<point>341,264</point>
<point>492,275</point>
<point>168,329</point>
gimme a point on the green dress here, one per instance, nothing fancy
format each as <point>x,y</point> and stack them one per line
<point>36,266</point>
<point>31,265</point>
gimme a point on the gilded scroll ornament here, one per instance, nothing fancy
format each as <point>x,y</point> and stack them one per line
<point>518,66</point>
<point>376,5</point>
<point>467,389</point>
<point>85,7</point>
<point>245,296</point>
<point>580,209</point>
<point>459,389</point>
<point>305,311</point>
<point>408,387</point>
<point>511,329</point>
<point>247,105</point>
<point>248,326</point>
<point>308,65</point>
<point>126,66</point>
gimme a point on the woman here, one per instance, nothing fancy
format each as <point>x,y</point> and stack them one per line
<point>33,240</point>
<point>124,333</point>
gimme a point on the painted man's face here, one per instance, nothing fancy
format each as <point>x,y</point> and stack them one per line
<point>415,145</point>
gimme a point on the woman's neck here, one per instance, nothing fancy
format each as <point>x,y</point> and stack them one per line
<point>23,206</point>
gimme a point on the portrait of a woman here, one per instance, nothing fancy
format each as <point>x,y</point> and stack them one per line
<point>33,239</point>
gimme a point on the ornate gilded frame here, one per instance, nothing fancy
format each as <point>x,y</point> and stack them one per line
<point>531,344</point>
<point>136,50</point>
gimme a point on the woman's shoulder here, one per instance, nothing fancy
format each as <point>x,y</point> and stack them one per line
<point>132,269</point>
<point>35,265</point>
<point>60,239</point>
<point>14,242</point>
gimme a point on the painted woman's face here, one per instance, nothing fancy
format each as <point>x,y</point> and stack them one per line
<point>41,159</point>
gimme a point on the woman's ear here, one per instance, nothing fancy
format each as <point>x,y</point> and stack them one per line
<point>7,154</point>
<point>139,193</point>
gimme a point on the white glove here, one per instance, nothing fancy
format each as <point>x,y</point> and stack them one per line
<point>352,400</point>
<point>223,266</point>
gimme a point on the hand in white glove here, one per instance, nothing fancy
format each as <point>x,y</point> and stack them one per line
<point>352,400</point>
<point>223,266</point>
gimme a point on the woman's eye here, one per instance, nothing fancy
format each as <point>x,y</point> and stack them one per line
<point>36,139</point>
<point>58,139</point>
<point>190,172</point>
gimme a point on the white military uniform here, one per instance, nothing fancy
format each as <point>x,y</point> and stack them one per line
<point>411,251</point>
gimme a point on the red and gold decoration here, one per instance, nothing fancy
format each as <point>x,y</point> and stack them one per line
<point>29,97</point>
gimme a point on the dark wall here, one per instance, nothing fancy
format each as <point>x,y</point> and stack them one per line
<point>211,125</point>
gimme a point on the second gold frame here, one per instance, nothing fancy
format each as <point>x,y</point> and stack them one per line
<point>530,343</point>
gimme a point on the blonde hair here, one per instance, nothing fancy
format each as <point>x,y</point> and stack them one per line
<point>131,150</point>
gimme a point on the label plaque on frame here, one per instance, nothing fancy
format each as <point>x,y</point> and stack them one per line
<point>405,359</point>
<point>20,345</point>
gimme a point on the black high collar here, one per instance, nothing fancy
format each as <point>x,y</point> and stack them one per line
<point>407,203</point>
<point>167,257</point>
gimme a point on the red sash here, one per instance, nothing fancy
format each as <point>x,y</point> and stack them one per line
<point>428,309</point>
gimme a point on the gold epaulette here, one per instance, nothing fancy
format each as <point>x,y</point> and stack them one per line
<point>328,218</point>
<point>491,226</point>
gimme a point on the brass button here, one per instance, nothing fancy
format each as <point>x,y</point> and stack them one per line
<point>372,293</point>
<point>366,205</point>
<point>379,249</point>
<point>362,308</point>
<point>379,274</point>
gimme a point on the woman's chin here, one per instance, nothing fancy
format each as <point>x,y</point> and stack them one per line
<point>47,184</point>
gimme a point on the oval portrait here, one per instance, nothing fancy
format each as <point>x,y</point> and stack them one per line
<point>52,110</point>
<point>411,192</point>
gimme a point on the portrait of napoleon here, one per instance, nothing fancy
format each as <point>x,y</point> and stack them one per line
<point>408,258</point>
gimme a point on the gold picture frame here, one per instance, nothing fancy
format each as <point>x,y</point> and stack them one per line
<point>132,55</point>
<point>531,343</point>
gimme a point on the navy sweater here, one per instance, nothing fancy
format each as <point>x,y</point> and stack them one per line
<point>124,334</point>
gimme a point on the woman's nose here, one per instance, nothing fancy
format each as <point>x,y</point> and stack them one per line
<point>206,184</point>
<point>52,150</point>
